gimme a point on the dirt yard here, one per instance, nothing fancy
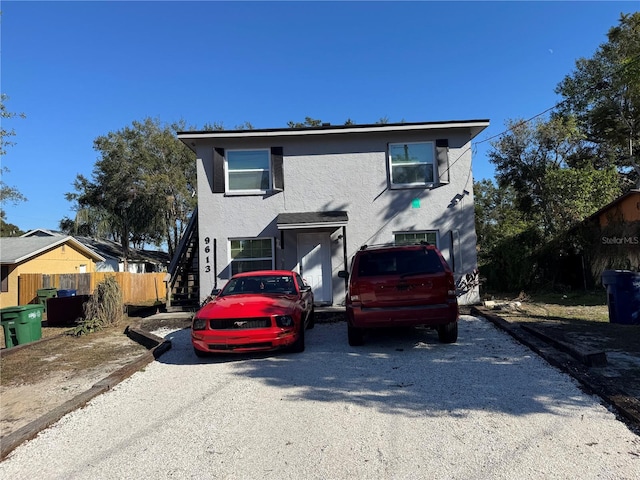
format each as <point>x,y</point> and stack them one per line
<point>44,375</point>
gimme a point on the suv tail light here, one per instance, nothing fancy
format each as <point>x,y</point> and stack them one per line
<point>354,293</point>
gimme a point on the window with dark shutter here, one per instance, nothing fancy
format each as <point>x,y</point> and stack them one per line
<point>248,171</point>
<point>442,157</point>
<point>412,164</point>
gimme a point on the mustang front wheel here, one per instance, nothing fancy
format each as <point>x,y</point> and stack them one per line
<point>298,345</point>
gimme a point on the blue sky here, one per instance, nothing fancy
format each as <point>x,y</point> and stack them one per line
<point>79,70</point>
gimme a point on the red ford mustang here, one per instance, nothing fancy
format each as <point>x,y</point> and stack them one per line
<point>263,310</point>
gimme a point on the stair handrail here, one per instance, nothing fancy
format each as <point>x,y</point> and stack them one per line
<point>182,246</point>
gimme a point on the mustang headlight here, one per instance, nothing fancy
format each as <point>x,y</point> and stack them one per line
<point>199,324</point>
<point>284,321</point>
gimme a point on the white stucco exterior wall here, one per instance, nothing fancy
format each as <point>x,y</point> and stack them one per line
<point>339,172</point>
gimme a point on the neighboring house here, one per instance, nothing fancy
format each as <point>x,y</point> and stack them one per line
<point>623,210</point>
<point>608,239</point>
<point>306,199</point>
<point>49,254</point>
<point>615,234</point>
<point>139,261</point>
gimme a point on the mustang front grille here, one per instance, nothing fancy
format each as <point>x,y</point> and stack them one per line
<point>240,323</point>
<point>261,345</point>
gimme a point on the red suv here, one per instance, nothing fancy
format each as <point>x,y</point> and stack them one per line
<point>401,285</point>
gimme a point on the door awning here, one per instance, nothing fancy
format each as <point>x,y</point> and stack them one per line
<point>291,221</point>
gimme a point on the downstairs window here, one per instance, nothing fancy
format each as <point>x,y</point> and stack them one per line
<point>251,254</point>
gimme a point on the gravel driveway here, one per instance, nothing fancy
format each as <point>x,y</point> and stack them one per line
<point>402,406</point>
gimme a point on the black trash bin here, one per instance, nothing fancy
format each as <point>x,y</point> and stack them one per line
<point>66,310</point>
<point>623,296</point>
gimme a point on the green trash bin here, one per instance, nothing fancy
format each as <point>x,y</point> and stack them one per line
<point>44,294</point>
<point>22,324</point>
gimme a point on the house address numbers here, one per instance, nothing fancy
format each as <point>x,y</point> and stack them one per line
<point>207,251</point>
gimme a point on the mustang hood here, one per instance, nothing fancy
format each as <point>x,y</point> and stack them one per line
<point>245,306</point>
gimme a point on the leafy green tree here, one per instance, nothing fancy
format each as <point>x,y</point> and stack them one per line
<point>576,193</point>
<point>142,186</point>
<point>313,122</point>
<point>603,95</point>
<point>7,192</point>
<point>171,174</point>
<point>88,222</point>
<point>553,173</point>
<point>523,157</point>
<point>6,134</point>
<point>244,126</point>
<point>548,181</point>
<point>9,229</point>
<point>505,238</point>
<point>218,126</point>
<point>496,214</point>
<point>308,122</point>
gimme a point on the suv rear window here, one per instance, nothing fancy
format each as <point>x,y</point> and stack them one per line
<point>399,262</point>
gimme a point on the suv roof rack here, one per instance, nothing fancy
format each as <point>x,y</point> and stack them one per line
<point>392,244</point>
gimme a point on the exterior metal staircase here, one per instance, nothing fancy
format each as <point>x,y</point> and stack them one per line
<point>184,283</point>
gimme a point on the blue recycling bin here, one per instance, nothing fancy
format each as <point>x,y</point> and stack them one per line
<point>623,296</point>
<point>67,293</point>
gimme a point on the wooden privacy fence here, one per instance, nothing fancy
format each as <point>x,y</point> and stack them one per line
<point>137,288</point>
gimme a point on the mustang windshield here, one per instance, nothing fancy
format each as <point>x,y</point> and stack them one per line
<point>267,284</point>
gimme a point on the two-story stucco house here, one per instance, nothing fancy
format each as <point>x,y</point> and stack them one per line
<point>306,199</point>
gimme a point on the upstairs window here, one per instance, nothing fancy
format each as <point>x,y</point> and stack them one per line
<point>412,164</point>
<point>251,172</point>
<point>248,170</point>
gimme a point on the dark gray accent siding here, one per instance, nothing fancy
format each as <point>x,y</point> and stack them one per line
<point>278,169</point>
<point>218,171</point>
<point>442,157</point>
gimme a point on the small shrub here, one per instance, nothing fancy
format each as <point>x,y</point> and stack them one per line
<point>104,308</point>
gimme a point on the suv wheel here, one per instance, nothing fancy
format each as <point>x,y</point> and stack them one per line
<point>448,333</point>
<point>356,337</point>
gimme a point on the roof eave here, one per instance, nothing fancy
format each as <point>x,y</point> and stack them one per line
<point>68,239</point>
<point>475,127</point>
<point>610,205</point>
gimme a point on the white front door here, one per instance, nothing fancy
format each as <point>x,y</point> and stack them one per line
<point>314,258</point>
